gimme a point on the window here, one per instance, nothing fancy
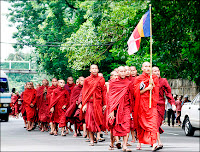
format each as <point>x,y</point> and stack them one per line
<point>4,85</point>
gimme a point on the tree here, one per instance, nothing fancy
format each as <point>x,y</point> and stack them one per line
<point>68,36</point>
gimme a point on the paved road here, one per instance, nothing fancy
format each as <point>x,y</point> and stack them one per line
<point>15,138</point>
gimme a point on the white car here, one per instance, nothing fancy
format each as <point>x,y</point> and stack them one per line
<point>190,115</point>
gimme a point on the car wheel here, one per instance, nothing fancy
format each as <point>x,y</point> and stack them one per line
<point>189,130</point>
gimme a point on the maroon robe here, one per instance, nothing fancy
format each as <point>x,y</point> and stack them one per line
<point>43,109</point>
<point>29,97</point>
<point>145,118</point>
<point>49,97</point>
<point>120,99</point>
<point>59,99</point>
<point>164,88</point>
<point>94,94</point>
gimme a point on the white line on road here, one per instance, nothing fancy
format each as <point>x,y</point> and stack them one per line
<point>171,133</point>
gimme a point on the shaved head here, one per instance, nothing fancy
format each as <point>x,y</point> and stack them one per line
<point>54,82</point>
<point>128,71</point>
<point>45,82</point>
<point>156,71</point>
<point>146,67</point>
<point>113,75</point>
<point>81,80</point>
<point>122,72</point>
<point>133,71</point>
<point>94,69</point>
<point>70,80</point>
<point>61,83</point>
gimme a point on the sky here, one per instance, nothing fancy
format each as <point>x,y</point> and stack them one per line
<point>6,33</point>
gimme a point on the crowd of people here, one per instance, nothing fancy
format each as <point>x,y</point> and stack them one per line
<point>121,106</point>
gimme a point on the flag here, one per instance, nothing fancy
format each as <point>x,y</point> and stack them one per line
<point>141,30</point>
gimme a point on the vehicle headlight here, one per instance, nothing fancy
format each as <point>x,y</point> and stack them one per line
<point>5,105</point>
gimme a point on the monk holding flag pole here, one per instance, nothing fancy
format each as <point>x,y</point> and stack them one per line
<point>146,86</point>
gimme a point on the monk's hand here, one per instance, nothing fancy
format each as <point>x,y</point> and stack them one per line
<point>150,87</point>
<point>111,115</point>
<point>79,106</point>
<point>64,107</point>
<point>52,110</point>
<point>104,108</point>
<point>31,105</point>
<point>173,107</point>
<point>84,108</point>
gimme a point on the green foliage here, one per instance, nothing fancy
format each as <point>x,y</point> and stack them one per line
<point>68,36</point>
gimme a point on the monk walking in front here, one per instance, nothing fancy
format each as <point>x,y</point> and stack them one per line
<point>145,117</point>
<point>58,104</point>
<point>120,96</point>
<point>29,98</point>
<point>93,101</point>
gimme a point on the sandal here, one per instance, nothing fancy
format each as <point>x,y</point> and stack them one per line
<point>101,139</point>
<point>118,145</point>
<point>63,134</point>
<point>55,134</point>
<point>91,144</point>
<point>157,148</point>
<point>126,150</point>
<point>111,147</point>
<point>87,140</point>
<point>51,133</point>
<point>128,144</point>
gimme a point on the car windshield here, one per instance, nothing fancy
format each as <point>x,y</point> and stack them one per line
<point>196,100</point>
<point>4,85</point>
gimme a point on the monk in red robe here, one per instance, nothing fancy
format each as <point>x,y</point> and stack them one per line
<point>42,103</point>
<point>145,118</point>
<point>49,97</point>
<point>14,104</point>
<point>58,104</point>
<point>93,101</point>
<point>73,105</point>
<point>133,75</point>
<point>164,88</point>
<point>69,86</point>
<point>29,98</point>
<point>120,96</point>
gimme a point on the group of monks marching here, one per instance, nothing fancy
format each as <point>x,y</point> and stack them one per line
<point>120,106</point>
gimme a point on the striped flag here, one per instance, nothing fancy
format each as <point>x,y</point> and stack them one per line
<point>141,30</point>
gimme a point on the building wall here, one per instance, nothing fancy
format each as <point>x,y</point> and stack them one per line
<point>183,86</point>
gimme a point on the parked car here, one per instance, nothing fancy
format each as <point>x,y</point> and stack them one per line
<point>190,115</point>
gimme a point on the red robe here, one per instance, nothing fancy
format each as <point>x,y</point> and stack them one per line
<point>132,79</point>
<point>74,97</point>
<point>49,97</point>
<point>145,118</point>
<point>14,104</point>
<point>94,94</point>
<point>120,99</point>
<point>30,97</point>
<point>59,99</point>
<point>69,87</point>
<point>164,88</point>
<point>43,109</point>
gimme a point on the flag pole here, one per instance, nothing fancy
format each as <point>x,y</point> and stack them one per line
<point>150,96</point>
